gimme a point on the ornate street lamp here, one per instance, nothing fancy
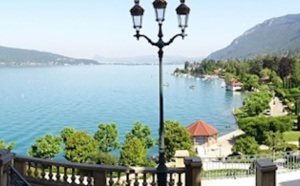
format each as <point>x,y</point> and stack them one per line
<point>137,13</point>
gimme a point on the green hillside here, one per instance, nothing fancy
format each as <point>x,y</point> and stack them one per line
<point>23,57</point>
<point>274,36</point>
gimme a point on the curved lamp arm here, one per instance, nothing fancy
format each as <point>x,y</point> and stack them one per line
<point>138,35</point>
<point>173,38</point>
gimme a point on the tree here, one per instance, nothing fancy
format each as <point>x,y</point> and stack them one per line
<point>103,158</point>
<point>133,153</point>
<point>274,140</point>
<point>176,138</point>
<point>265,72</point>
<point>45,147</point>
<point>275,79</point>
<point>79,147</point>
<point>142,133</point>
<point>107,137</point>
<point>258,126</point>
<point>250,82</point>
<point>245,145</point>
<point>10,146</point>
<point>285,67</point>
<point>66,132</point>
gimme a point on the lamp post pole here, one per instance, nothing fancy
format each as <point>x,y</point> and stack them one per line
<point>137,13</point>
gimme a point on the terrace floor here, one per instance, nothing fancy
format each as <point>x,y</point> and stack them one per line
<point>283,179</point>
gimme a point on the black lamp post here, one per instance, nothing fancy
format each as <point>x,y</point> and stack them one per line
<point>137,13</point>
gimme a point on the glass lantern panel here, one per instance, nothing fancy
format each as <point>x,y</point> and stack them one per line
<point>182,21</point>
<point>137,21</point>
<point>160,14</point>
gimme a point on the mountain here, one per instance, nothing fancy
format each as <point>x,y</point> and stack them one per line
<point>144,60</point>
<point>273,36</point>
<point>23,57</point>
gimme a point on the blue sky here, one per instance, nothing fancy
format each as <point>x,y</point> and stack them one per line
<point>85,28</point>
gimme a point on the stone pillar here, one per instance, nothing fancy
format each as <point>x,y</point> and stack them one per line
<point>193,166</point>
<point>5,159</point>
<point>265,173</point>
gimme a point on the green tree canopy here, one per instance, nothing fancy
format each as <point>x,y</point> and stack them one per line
<point>265,72</point>
<point>274,140</point>
<point>245,145</point>
<point>250,82</point>
<point>45,147</point>
<point>107,137</point>
<point>133,153</point>
<point>256,103</point>
<point>257,126</point>
<point>142,133</point>
<point>66,132</point>
<point>102,158</point>
<point>79,147</point>
<point>10,146</point>
<point>176,138</point>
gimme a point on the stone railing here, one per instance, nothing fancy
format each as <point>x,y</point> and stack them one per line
<point>39,172</point>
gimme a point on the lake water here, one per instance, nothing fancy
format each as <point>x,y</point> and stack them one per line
<point>36,101</point>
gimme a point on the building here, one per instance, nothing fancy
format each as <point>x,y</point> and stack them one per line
<point>234,86</point>
<point>203,133</point>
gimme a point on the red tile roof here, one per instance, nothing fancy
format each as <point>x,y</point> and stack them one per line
<point>200,128</point>
<point>236,83</point>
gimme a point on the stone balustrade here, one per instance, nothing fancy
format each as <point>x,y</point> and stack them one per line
<point>41,172</point>
<point>47,172</point>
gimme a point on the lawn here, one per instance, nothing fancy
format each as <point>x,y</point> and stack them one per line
<point>291,135</point>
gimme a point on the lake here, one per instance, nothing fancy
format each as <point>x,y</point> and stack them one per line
<point>36,101</point>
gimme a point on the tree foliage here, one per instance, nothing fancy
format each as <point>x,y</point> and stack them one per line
<point>245,145</point>
<point>274,140</point>
<point>256,103</point>
<point>176,138</point>
<point>66,132</point>
<point>285,67</point>
<point>142,133</point>
<point>45,147</point>
<point>133,153</point>
<point>257,126</point>
<point>136,146</point>
<point>107,137</point>
<point>102,158</point>
<point>79,147</point>
<point>10,146</point>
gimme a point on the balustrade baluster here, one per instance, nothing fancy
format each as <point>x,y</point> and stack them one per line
<point>36,172</point>
<point>179,182</point>
<point>57,173</point>
<point>136,178</point>
<point>65,177</point>
<point>171,181</point>
<point>81,177</point>
<point>50,173</point>
<point>89,179</point>
<point>29,172</point>
<point>111,180</point>
<point>145,183</point>
<point>73,178</point>
<point>128,182</point>
<point>119,182</point>
<point>153,179</point>
<point>43,174</point>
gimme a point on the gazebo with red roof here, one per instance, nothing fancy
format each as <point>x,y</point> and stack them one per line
<point>203,133</point>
